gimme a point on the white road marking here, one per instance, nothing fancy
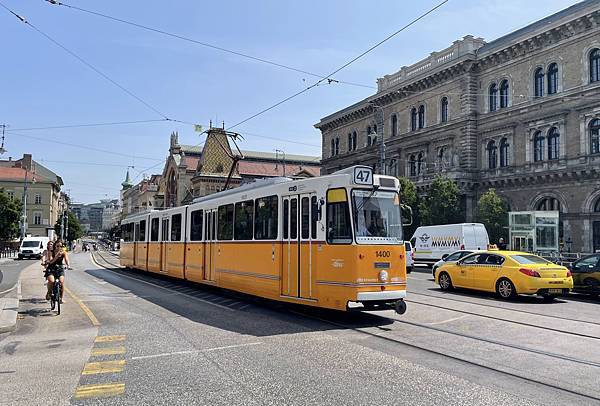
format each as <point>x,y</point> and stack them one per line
<point>448,320</point>
<point>168,354</point>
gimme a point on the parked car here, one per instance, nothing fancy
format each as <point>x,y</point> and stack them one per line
<point>449,258</point>
<point>410,256</point>
<point>508,273</point>
<point>32,247</point>
<point>432,242</point>
<point>586,275</point>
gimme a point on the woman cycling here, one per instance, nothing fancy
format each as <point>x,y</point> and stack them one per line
<point>46,258</point>
<point>58,264</point>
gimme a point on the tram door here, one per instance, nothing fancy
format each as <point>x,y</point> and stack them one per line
<point>210,251</point>
<point>136,239</point>
<point>163,245</point>
<point>297,251</point>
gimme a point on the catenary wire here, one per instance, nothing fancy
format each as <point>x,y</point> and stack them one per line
<point>86,63</point>
<point>204,44</point>
<point>350,62</point>
<point>83,125</point>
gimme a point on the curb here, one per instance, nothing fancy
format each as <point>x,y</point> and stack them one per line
<point>9,309</point>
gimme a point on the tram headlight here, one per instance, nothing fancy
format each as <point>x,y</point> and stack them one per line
<point>383,276</point>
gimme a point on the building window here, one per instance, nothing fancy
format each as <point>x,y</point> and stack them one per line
<point>393,168</point>
<point>548,204</point>
<point>492,152</point>
<point>354,139</point>
<point>552,78</point>
<point>421,116</point>
<point>553,143</point>
<point>332,147</point>
<point>38,198</point>
<point>504,153</point>
<point>594,136</point>
<point>595,65</point>
<point>444,110</point>
<point>37,218</point>
<point>369,136</point>
<point>375,128</point>
<point>413,119</point>
<point>412,163</point>
<point>394,124</point>
<point>538,147</point>
<point>349,142</point>
<point>420,164</point>
<point>337,145</point>
<point>538,85</point>
<point>11,194</point>
<point>597,206</point>
<point>504,94</point>
<point>493,97</point>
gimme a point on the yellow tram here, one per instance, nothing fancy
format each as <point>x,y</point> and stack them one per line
<point>333,241</point>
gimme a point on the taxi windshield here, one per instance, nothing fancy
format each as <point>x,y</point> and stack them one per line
<point>376,216</point>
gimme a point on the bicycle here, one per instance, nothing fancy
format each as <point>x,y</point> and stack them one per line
<point>55,296</point>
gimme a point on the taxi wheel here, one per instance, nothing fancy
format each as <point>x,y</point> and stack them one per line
<point>506,289</point>
<point>444,281</point>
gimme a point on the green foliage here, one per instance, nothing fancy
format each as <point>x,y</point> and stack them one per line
<point>75,231</point>
<point>442,205</point>
<point>409,197</point>
<point>492,211</point>
<point>10,213</point>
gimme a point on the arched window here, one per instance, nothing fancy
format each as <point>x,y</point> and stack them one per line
<point>349,142</point>
<point>444,109</point>
<point>369,136</point>
<point>412,165</point>
<point>492,154</point>
<point>548,204</point>
<point>332,147</point>
<point>597,206</point>
<point>553,143</point>
<point>538,147</point>
<point>421,116</point>
<point>413,119</point>
<point>504,153</point>
<point>595,65</point>
<point>538,79</point>
<point>552,78</point>
<point>504,94</point>
<point>440,157</point>
<point>394,125</point>
<point>420,163</point>
<point>595,136</point>
<point>493,96</point>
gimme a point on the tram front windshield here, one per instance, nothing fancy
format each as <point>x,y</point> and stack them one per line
<point>376,217</point>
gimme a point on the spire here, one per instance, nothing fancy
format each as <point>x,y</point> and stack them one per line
<point>127,182</point>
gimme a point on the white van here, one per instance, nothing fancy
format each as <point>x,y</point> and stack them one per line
<point>33,247</point>
<point>430,243</point>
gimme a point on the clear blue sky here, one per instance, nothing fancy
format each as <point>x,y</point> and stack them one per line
<point>42,85</point>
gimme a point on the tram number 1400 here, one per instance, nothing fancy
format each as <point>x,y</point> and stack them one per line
<point>363,175</point>
<point>383,254</point>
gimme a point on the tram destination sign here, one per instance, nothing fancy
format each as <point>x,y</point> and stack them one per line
<point>363,175</point>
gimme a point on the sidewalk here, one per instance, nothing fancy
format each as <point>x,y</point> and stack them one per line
<point>9,308</point>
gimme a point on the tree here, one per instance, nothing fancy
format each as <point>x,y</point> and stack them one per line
<point>442,205</point>
<point>409,197</point>
<point>10,214</point>
<point>492,211</point>
<point>75,231</point>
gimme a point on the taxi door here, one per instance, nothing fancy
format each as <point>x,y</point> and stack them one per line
<point>463,272</point>
<point>485,273</point>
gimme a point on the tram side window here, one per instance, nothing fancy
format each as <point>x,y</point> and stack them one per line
<point>154,223</point>
<point>314,210</point>
<point>339,230</point>
<point>142,234</point>
<point>196,226</point>
<point>126,232</point>
<point>244,219</point>
<point>136,231</point>
<point>265,218</point>
<point>225,224</point>
<point>305,217</point>
<point>176,227</point>
<point>286,213</point>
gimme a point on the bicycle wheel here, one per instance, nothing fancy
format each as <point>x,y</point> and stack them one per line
<point>52,299</point>
<point>57,289</point>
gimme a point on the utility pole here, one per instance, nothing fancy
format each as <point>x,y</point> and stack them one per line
<point>2,150</point>
<point>24,216</point>
<point>277,152</point>
<point>382,168</point>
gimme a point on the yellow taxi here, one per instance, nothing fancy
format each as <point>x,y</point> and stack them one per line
<point>508,273</point>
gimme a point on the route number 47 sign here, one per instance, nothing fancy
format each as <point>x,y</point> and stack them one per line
<point>363,175</point>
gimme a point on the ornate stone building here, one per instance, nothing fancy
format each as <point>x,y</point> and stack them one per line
<point>520,114</point>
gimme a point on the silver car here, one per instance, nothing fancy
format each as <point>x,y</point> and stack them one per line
<point>450,258</point>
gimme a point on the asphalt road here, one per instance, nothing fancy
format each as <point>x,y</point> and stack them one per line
<point>127,338</point>
<point>10,270</point>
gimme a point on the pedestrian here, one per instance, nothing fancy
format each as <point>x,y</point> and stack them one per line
<point>501,244</point>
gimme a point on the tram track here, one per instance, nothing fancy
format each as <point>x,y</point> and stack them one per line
<point>443,297</point>
<point>334,323</point>
<point>521,323</point>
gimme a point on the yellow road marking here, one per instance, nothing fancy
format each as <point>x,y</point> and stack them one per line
<point>107,389</point>
<point>103,367</point>
<point>85,309</point>
<point>108,351</point>
<point>105,339</point>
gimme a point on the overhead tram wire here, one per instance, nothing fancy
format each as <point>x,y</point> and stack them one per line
<point>328,77</point>
<point>204,44</point>
<point>86,63</point>
<point>60,127</point>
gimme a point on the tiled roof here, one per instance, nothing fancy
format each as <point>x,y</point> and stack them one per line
<point>191,162</point>
<point>272,156</point>
<point>18,174</point>
<point>250,168</point>
<point>191,149</point>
